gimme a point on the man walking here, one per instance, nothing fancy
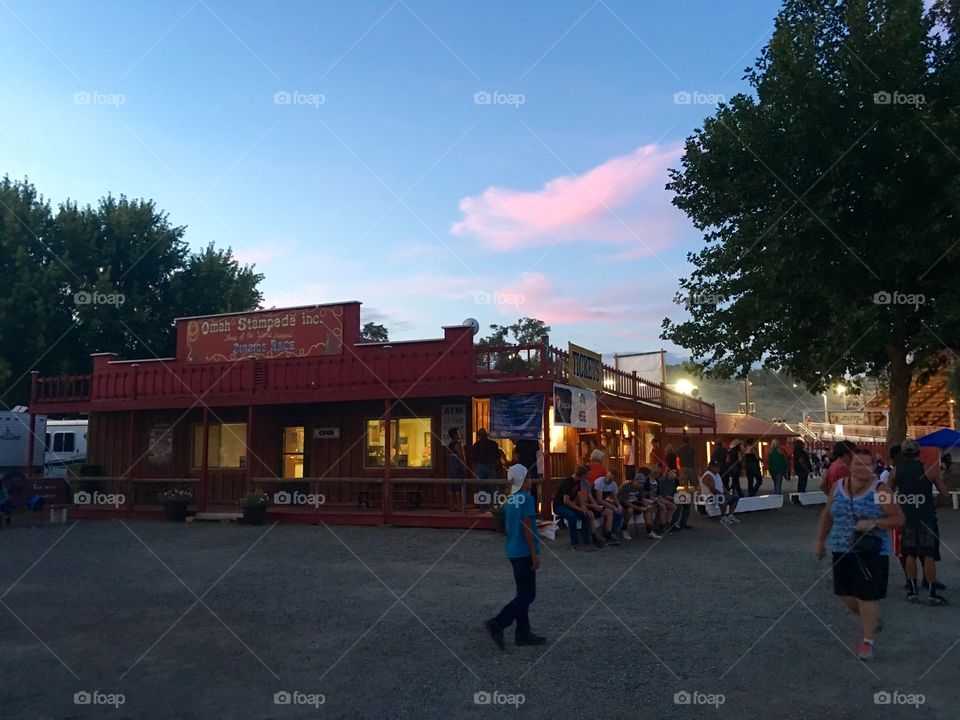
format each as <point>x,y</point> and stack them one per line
<point>523,552</point>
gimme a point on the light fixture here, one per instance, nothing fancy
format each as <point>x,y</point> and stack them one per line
<point>684,386</point>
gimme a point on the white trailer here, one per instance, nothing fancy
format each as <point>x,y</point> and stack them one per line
<point>14,441</point>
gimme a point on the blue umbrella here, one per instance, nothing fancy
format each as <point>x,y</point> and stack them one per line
<point>945,438</point>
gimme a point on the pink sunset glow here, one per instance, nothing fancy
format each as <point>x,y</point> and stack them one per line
<point>609,203</point>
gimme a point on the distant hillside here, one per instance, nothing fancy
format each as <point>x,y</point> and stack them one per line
<point>773,395</point>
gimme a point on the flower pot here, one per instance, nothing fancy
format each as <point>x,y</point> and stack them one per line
<point>254,515</point>
<point>175,511</point>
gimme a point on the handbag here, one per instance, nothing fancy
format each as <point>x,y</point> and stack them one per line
<point>865,544</point>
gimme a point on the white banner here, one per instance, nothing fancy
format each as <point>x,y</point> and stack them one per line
<point>574,407</point>
<point>649,366</point>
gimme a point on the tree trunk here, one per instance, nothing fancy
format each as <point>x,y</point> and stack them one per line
<point>901,375</point>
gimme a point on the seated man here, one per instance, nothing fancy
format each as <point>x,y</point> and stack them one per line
<point>568,504</point>
<point>596,510</point>
<point>635,505</point>
<point>711,486</point>
<point>605,493</point>
<point>664,504</point>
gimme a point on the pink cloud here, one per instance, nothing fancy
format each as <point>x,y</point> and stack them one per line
<point>622,200</point>
<point>534,295</point>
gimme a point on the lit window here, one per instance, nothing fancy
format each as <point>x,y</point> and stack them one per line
<point>410,443</point>
<point>293,452</point>
<point>226,446</point>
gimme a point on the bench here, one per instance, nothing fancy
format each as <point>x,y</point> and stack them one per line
<point>709,507</point>
<point>814,497</point>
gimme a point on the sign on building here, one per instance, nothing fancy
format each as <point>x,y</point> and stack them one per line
<point>453,416</point>
<point>574,407</point>
<point>585,368</point>
<point>293,333</point>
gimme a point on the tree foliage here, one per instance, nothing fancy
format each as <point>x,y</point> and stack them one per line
<point>374,332</point>
<point>525,331</point>
<point>828,200</point>
<point>110,278</point>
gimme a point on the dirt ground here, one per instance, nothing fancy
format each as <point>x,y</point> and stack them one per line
<point>162,620</point>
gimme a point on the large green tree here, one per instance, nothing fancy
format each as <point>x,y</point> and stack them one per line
<point>113,277</point>
<point>828,198</point>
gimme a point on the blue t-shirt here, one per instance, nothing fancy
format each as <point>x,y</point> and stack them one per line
<point>518,507</point>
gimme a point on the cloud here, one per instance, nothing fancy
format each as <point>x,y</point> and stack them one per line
<point>622,201</point>
<point>249,256</point>
<point>534,295</point>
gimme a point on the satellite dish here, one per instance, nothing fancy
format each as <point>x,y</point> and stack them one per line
<point>472,323</point>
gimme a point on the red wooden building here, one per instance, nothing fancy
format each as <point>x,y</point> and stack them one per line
<point>295,401</point>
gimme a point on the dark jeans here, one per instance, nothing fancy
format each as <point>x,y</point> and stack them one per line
<point>802,481</point>
<point>754,479</point>
<point>731,483</point>
<point>571,517</point>
<point>517,610</point>
<point>681,516</point>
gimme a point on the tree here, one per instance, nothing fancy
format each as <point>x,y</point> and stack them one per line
<point>374,332</point>
<point>106,278</point>
<point>828,202</point>
<point>525,331</point>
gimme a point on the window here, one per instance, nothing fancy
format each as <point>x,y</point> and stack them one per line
<point>63,442</point>
<point>410,445</point>
<point>226,446</point>
<point>293,452</point>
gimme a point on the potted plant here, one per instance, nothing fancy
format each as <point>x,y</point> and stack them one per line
<point>254,506</point>
<point>175,503</point>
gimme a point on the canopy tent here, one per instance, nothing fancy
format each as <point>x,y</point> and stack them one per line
<point>945,438</point>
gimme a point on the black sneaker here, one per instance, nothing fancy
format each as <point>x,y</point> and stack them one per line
<point>530,639</point>
<point>912,594</point>
<point>598,543</point>
<point>496,633</point>
<point>934,599</point>
<point>612,540</point>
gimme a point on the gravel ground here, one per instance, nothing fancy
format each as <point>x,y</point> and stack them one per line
<point>210,621</point>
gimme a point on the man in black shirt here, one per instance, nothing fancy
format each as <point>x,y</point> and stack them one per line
<point>921,534</point>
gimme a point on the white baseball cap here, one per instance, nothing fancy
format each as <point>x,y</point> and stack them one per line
<point>517,475</point>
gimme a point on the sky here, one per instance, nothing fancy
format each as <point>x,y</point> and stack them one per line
<point>434,159</point>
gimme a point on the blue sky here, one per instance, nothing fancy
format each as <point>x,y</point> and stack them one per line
<point>434,160</point>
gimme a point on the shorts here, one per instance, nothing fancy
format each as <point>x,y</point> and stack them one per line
<point>688,476</point>
<point>921,538</point>
<point>861,576</point>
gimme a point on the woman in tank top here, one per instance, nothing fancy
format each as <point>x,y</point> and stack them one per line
<point>855,528</point>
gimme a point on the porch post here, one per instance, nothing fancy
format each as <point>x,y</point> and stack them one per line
<point>387,449</point>
<point>204,461</point>
<point>131,459</point>
<point>31,439</point>
<point>546,488</point>
<point>32,427</point>
<point>248,477</point>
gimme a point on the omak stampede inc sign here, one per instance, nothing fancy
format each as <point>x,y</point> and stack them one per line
<point>299,332</point>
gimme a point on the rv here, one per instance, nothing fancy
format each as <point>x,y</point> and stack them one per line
<point>66,442</point>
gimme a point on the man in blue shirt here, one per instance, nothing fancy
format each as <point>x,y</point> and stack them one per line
<point>523,552</point>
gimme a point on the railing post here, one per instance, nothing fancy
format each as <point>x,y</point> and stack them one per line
<point>131,439</point>
<point>546,487</point>
<point>387,448</point>
<point>204,461</point>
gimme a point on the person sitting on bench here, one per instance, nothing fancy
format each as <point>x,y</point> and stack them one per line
<point>711,485</point>
<point>596,511</point>
<point>569,506</point>
<point>664,506</point>
<point>605,493</point>
<point>635,505</point>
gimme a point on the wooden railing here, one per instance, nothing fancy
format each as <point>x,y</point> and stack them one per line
<point>404,365</point>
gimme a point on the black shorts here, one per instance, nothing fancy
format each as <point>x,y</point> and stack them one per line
<point>920,538</point>
<point>861,576</point>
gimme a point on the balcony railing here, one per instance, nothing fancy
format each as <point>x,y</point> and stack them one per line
<point>400,367</point>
